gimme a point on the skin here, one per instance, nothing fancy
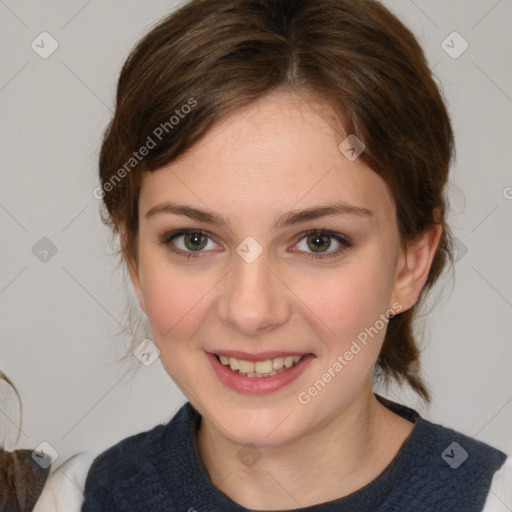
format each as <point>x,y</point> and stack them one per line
<point>279,154</point>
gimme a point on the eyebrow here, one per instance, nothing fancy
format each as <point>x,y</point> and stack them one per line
<point>287,219</point>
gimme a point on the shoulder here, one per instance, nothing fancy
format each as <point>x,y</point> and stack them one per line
<point>452,453</point>
<point>126,458</point>
<point>499,498</point>
<point>450,470</point>
<point>128,475</point>
<point>458,450</point>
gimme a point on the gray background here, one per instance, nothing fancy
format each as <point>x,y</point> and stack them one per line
<point>59,317</point>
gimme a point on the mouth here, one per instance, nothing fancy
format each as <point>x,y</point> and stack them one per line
<point>258,374</point>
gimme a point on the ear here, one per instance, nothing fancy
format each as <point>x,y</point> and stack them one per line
<point>132,269</point>
<point>414,266</point>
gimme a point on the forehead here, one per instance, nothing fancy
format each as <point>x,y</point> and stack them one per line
<point>278,153</point>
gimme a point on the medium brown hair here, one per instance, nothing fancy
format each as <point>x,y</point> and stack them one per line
<point>221,55</point>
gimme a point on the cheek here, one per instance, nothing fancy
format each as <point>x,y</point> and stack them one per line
<point>175,297</point>
<point>346,302</point>
<point>176,302</point>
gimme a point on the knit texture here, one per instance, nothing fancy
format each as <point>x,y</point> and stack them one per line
<point>436,469</point>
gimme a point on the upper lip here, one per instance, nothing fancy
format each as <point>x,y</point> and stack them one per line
<point>259,356</point>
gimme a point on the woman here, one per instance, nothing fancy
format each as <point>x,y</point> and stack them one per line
<point>275,171</point>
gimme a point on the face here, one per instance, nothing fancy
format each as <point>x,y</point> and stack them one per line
<point>254,280</point>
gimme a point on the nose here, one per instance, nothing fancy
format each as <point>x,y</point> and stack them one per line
<point>254,299</point>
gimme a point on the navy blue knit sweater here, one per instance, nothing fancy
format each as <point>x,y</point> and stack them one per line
<point>436,469</point>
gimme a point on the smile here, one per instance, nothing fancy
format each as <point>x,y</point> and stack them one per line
<point>258,377</point>
<point>266,368</point>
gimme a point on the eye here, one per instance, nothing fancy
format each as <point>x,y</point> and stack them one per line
<point>186,242</point>
<point>319,241</point>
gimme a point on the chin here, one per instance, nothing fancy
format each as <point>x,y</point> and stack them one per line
<point>260,427</point>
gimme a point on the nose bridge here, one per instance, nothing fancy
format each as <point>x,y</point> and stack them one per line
<point>253,298</point>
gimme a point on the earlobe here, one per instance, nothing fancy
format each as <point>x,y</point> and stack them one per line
<point>414,267</point>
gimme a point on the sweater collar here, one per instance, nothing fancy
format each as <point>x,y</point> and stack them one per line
<point>182,463</point>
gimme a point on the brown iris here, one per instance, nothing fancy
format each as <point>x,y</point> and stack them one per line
<point>321,242</point>
<point>195,241</point>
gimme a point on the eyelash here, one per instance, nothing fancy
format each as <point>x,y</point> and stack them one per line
<point>345,243</point>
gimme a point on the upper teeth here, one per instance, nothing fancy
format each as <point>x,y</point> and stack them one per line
<point>266,366</point>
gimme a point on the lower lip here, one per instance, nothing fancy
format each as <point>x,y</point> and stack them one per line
<point>257,385</point>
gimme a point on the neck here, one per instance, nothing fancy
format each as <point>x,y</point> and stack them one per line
<point>325,464</point>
